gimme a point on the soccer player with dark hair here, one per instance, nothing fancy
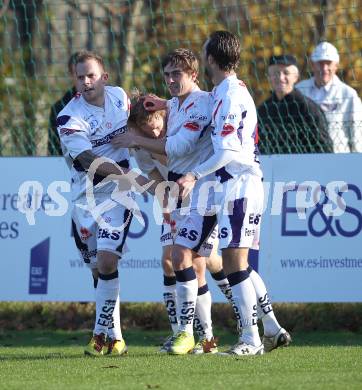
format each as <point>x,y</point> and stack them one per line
<point>240,193</point>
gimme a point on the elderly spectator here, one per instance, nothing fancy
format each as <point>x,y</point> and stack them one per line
<point>288,121</point>
<point>340,102</point>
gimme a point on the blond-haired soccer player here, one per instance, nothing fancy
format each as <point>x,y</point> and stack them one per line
<point>188,143</point>
<point>151,124</point>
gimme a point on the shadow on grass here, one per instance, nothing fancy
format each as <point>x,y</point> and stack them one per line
<point>28,338</point>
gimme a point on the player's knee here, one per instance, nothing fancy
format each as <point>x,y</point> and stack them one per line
<point>166,261</point>
<point>214,263</point>
<point>167,267</point>
<point>199,265</point>
<point>181,257</point>
<point>107,262</point>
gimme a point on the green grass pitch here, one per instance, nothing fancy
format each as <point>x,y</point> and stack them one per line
<point>54,360</point>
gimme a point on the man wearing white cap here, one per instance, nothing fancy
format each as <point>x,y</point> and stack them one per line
<point>340,102</point>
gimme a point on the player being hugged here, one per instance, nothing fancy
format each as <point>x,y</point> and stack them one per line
<point>188,143</point>
<point>152,125</point>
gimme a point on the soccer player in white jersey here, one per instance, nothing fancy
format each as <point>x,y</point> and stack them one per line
<point>188,143</point>
<point>151,124</point>
<point>86,126</point>
<point>240,192</point>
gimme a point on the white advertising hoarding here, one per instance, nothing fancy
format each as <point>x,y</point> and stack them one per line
<point>306,254</point>
<point>304,257</point>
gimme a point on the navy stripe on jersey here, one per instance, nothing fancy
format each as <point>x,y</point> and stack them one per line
<point>173,176</point>
<point>127,219</point>
<point>107,139</point>
<point>82,247</point>
<point>208,225</point>
<point>78,166</point>
<point>204,129</point>
<point>62,120</point>
<point>237,220</point>
<point>223,174</point>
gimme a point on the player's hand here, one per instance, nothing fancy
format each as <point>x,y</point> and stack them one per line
<point>126,140</point>
<point>166,216</point>
<point>186,184</point>
<point>154,103</point>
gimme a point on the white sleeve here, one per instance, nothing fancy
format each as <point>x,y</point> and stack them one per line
<point>191,130</point>
<point>218,160</point>
<point>144,160</point>
<point>73,134</point>
<point>229,122</point>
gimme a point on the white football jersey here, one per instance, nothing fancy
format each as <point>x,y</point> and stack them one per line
<point>234,127</point>
<point>188,141</point>
<point>146,163</point>
<point>82,126</point>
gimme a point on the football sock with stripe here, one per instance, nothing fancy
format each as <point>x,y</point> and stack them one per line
<point>169,298</point>
<point>265,309</point>
<point>186,295</point>
<point>244,298</point>
<point>202,320</point>
<point>106,297</point>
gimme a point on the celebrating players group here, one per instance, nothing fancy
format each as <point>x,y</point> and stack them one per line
<point>199,157</point>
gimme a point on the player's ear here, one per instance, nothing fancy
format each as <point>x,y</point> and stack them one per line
<point>210,59</point>
<point>194,76</point>
<point>105,76</point>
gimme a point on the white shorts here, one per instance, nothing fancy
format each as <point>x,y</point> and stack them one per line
<point>109,235</point>
<point>239,217</point>
<point>197,233</point>
<point>168,233</point>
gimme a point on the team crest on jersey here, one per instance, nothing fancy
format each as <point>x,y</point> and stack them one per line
<point>93,124</point>
<point>85,234</point>
<point>227,129</point>
<point>193,126</point>
<point>119,103</point>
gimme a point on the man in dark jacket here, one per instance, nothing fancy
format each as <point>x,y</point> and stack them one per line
<point>54,148</point>
<point>288,121</point>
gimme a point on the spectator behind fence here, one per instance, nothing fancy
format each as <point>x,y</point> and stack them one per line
<point>340,102</point>
<point>54,148</point>
<point>288,121</point>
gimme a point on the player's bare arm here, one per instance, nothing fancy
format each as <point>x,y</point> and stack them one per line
<point>111,171</point>
<point>132,141</point>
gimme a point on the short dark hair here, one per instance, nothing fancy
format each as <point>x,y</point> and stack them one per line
<point>184,58</point>
<point>86,55</point>
<point>285,59</point>
<point>72,61</point>
<point>224,47</point>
